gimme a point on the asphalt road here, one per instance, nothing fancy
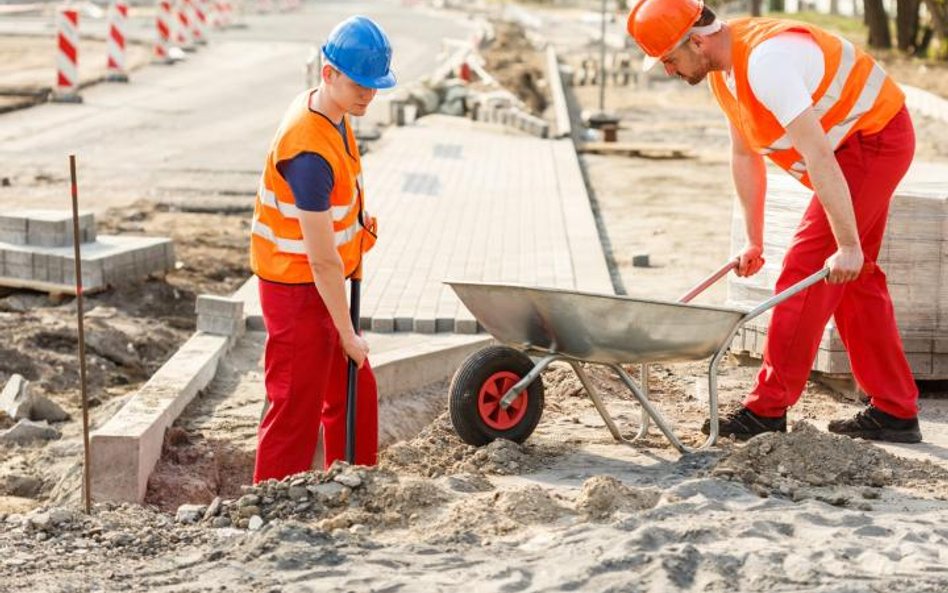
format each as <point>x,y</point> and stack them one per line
<point>201,127</point>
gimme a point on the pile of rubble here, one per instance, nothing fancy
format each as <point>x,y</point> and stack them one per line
<point>26,416</point>
<point>498,77</point>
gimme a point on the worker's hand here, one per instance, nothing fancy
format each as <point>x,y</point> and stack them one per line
<point>357,349</point>
<point>845,265</point>
<point>750,261</point>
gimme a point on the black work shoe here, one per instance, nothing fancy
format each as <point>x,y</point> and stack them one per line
<point>874,424</point>
<point>743,424</point>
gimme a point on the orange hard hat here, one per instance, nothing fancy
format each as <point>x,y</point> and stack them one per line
<point>659,26</point>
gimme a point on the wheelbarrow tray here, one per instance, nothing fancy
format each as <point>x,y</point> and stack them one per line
<point>596,327</point>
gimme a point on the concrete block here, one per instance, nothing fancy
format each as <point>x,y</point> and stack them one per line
<point>425,326</point>
<point>405,369</point>
<point>18,264</point>
<point>14,399</point>
<point>404,324</point>
<point>125,449</point>
<point>940,366</point>
<point>383,325</point>
<point>54,228</point>
<point>13,229</point>
<point>465,326</point>
<point>221,326</point>
<point>219,306</point>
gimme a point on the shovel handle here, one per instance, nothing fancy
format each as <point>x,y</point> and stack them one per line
<point>353,382</point>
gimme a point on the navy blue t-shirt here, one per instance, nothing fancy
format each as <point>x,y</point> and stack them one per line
<point>310,177</point>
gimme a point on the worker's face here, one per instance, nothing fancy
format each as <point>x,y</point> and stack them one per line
<point>351,97</point>
<point>688,62</point>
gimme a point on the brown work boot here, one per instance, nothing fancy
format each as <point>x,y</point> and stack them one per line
<point>876,425</point>
<point>743,424</point>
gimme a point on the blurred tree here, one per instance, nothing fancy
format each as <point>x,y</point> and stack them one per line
<point>878,22</point>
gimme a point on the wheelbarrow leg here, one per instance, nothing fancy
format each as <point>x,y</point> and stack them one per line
<point>650,409</point>
<point>601,408</point>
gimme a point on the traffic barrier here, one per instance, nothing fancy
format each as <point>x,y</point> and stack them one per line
<point>164,25</point>
<point>118,20</point>
<point>198,21</point>
<point>183,37</point>
<point>67,57</point>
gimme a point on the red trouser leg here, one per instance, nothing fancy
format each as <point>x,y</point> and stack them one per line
<point>334,413</point>
<point>873,166</point>
<point>301,344</point>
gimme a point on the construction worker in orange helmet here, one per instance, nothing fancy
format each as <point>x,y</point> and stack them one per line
<point>828,114</point>
<point>309,232</point>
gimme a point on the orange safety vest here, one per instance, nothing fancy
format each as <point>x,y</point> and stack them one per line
<point>276,247</point>
<point>855,94</point>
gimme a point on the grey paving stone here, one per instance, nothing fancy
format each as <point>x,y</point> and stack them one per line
<point>13,229</point>
<point>219,306</point>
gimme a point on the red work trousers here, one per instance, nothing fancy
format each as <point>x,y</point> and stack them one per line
<point>873,166</point>
<point>306,374</point>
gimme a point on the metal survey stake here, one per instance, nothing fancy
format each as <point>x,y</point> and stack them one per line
<point>86,479</point>
<point>352,384</point>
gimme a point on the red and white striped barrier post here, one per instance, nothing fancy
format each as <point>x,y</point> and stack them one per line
<point>219,15</point>
<point>182,29</point>
<point>67,57</point>
<point>118,19</point>
<point>164,25</point>
<point>198,21</point>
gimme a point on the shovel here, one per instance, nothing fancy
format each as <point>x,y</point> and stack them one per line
<point>353,382</point>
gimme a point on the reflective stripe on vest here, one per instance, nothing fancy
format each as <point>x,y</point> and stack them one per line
<point>854,95</point>
<point>296,245</point>
<point>836,134</point>
<point>846,62</point>
<point>269,199</point>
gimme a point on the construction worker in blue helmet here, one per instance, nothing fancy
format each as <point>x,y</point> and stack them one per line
<point>309,232</point>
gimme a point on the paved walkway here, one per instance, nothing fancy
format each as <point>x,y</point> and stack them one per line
<point>462,200</point>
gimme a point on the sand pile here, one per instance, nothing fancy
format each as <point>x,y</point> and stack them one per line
<point>794,463</point>
<point>602,496</point>
<point>437,451</point>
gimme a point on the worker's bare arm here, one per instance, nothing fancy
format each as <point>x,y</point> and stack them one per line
<point>750,181</point>
<point>831,188</point>
<point>319,242</point>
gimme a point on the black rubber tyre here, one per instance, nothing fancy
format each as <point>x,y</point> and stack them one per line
<point>474,388</point>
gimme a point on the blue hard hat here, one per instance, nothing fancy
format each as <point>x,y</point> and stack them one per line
<point>360,49</point>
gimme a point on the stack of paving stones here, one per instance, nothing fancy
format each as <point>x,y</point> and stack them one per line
<point>512,117</point>
<point>914,257</point>
<point>36,251</point>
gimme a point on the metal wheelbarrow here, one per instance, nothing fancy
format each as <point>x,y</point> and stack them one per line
<point>495,393</point>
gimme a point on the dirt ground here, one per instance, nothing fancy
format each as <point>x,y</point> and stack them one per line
<point>130,332</point>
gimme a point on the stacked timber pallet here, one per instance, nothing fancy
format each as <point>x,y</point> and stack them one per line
<point>914,257</point>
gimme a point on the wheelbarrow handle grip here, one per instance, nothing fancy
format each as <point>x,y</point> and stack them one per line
<point>704,284</point>
<point>786,294</point>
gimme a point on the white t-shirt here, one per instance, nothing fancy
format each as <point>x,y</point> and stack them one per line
<point>784,72</point>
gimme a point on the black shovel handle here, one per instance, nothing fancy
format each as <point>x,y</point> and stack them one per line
<point>353,382</point>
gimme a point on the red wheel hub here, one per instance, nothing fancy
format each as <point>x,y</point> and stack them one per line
<point>488,401</point>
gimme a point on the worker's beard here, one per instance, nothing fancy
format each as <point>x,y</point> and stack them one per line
<point>696,78</point>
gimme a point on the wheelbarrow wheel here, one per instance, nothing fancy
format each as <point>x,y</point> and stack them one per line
<point>476,391</point>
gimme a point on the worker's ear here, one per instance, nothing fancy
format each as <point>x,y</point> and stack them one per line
<point>699,41</point>
<point>328,73</point>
